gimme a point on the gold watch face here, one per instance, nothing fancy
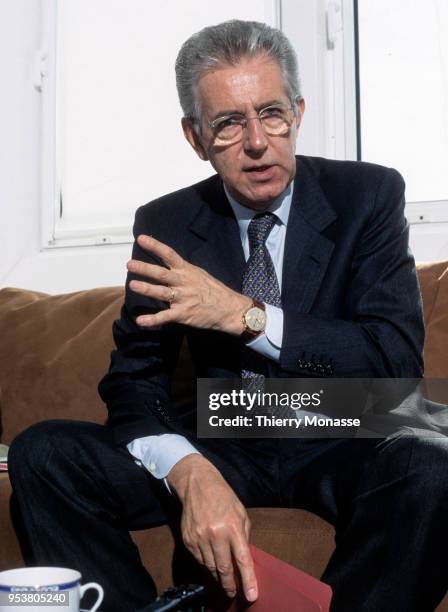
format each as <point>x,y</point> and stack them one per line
<point>255,319</point>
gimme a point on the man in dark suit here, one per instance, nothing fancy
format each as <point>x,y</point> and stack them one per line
<point>277,266</point>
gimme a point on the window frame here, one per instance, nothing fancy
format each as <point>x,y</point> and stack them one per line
<point>338,123</point>
<point>52,203</point>
<point>434,212</point>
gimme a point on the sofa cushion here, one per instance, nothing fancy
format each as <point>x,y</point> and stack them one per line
<point>428,276</point>
<point>53,352</point>
<point>434,281</point>
<point>10,554</point>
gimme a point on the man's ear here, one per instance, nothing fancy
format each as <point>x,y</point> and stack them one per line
<point>193,138</point>
<point>299,112</point>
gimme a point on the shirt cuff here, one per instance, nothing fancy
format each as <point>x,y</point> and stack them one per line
<point>270,343</point>
<point>158,454</point>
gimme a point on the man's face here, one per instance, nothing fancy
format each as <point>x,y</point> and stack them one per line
<point>258,167</point>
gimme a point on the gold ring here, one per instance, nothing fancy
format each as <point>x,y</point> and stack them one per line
<point>172,296</point>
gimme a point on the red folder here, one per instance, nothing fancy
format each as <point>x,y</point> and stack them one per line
<point>284,588</point>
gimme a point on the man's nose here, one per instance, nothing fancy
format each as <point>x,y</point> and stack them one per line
<point>254,136</point>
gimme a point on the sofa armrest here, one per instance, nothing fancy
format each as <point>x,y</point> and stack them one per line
<point>10,555</point>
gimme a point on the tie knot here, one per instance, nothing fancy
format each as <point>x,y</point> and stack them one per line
<point>259,229</point>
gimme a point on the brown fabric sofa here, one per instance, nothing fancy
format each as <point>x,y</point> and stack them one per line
<point>53,352</point>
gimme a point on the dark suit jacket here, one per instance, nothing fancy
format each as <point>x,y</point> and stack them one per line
<point>350,294</point>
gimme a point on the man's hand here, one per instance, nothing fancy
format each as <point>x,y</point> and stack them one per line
<point>215,526</point>
<point>196,298</point>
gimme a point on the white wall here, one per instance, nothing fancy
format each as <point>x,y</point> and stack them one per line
<point>68,268</point>
<point>22,263</point>
<point>20,133</point>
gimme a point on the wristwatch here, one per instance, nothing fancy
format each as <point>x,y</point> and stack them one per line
<point>254,321</point>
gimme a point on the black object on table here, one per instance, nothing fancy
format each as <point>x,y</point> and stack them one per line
<point>185,598</point>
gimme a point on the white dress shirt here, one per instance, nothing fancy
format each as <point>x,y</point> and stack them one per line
<point>159,453</point>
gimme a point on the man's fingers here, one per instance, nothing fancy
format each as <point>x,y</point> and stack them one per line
<point>159,318</point>
<point>158,273</point>
<point>166,253</point>
<point>208,560</point>
<point>243,559</point>
<point>247,527</point>
<point>224,566</point>
<point>158,292</point>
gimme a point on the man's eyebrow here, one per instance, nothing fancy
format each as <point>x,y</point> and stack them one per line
<point>258,108</point>
<point>225,113</point>
<point>270,103</point>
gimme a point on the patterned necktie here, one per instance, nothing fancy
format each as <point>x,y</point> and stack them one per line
<point>259,281</point>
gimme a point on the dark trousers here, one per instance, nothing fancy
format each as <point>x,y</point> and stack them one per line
<point>78,496</point>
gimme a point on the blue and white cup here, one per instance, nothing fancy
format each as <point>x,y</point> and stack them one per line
<point>44,589</point>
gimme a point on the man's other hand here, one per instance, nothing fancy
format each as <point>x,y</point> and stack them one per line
<point>215,526</point>
<point>195,297</point>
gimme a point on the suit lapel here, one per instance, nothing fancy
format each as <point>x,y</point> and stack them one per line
<point>307,251</point>
<point>216,244</point>
<point>218,247</point>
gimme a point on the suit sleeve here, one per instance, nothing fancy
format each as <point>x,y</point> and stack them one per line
<point>136,388</point>
<point>383,333</point>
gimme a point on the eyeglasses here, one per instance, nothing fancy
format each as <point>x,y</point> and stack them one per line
<point>275,121</point>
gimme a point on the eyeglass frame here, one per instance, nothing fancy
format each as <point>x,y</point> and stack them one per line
<point>245,119</point>
<point>295,105</point>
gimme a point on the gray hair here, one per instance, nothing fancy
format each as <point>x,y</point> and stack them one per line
<point>226,44</point>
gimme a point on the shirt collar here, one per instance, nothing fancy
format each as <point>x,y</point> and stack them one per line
<point>280,206</point>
